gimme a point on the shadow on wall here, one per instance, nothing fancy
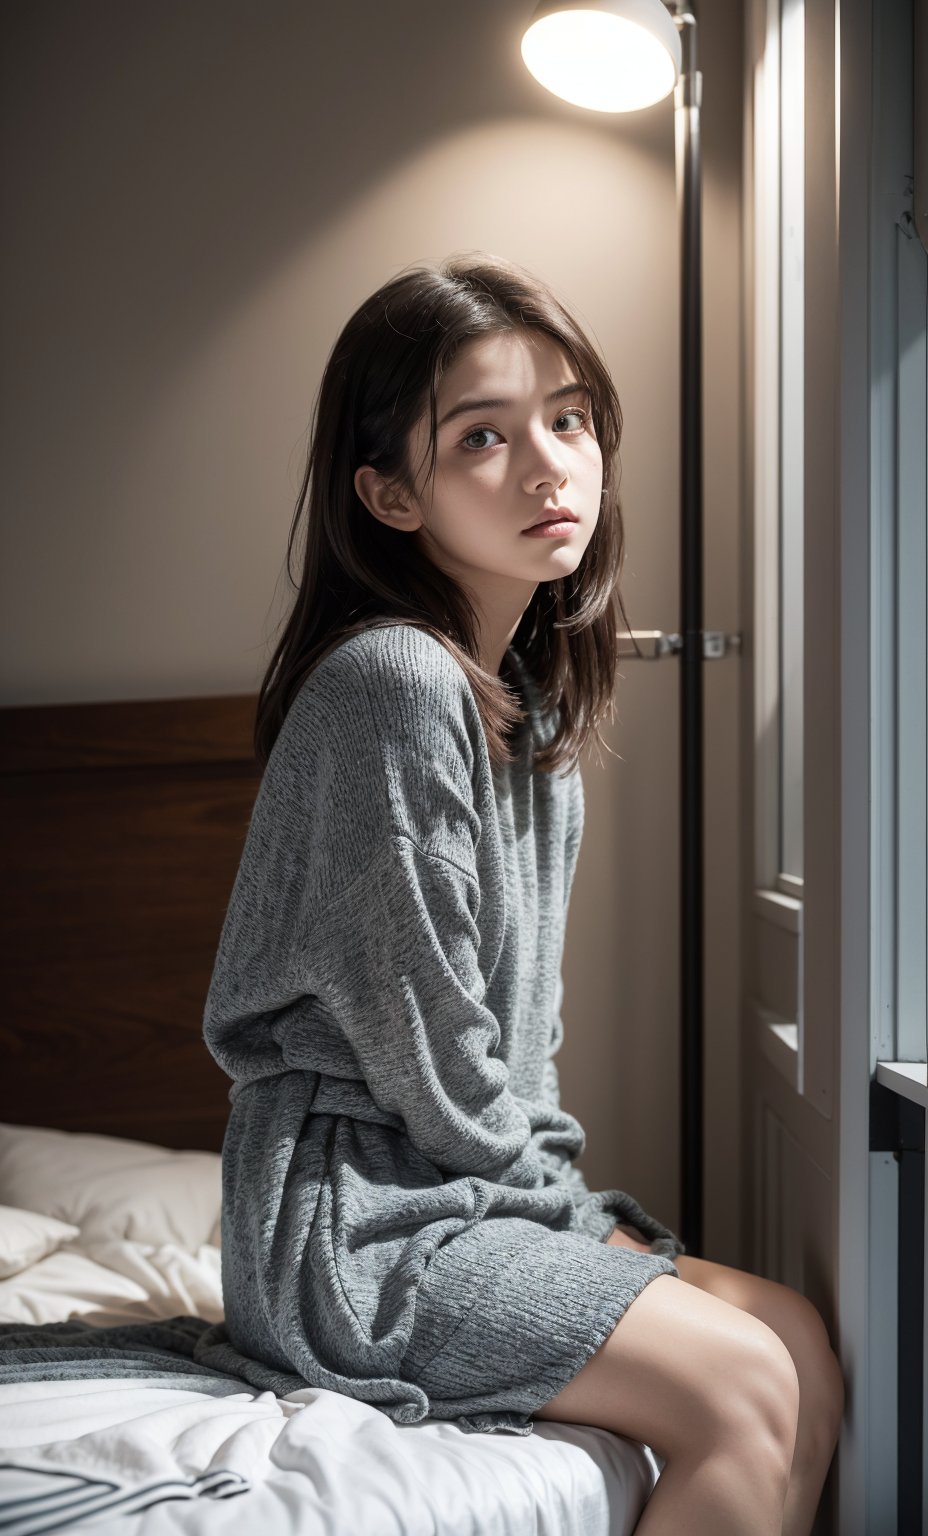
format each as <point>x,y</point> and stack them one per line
<point>251,126</point>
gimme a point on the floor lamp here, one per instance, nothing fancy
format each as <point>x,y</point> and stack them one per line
<point>619,56</point>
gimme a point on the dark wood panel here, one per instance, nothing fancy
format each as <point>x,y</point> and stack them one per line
<point>37,738</point>
<point>121,844</point>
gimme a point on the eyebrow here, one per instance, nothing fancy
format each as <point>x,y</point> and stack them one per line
<point>465,406</point>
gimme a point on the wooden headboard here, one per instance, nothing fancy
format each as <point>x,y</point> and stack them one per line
<point>122,829</point>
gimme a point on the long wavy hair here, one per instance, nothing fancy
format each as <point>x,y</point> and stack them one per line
<point>381,377</point>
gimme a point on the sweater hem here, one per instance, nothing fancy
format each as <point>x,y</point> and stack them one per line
<point>521,1344</point>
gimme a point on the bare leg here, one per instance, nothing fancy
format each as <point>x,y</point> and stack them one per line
<point>821,1384</point>
<point>713,1391</point>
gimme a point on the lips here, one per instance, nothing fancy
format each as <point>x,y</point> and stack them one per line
<point>558,515</point>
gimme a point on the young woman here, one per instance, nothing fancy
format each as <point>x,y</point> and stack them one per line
<point>402,1218</point>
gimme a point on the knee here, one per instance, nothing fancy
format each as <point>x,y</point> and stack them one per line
<point>822,1385</point>
<point>825,1398</point>
<point>822,1389</point>
<point>761,1396</point>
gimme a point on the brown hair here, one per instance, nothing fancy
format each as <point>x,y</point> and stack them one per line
<point>380,377</point>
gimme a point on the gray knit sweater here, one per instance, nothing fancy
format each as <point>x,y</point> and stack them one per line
<point>402,1221</point>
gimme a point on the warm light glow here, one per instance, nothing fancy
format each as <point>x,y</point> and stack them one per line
<point>597,60</point>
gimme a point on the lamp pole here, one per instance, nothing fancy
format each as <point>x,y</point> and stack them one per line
<point>687,101</point>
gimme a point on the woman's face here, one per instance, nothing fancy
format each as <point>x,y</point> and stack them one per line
<point>502,464</point>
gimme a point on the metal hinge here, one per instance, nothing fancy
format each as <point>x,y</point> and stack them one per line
<point>653,644</point>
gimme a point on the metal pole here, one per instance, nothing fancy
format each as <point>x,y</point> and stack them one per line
<point>687,100</point>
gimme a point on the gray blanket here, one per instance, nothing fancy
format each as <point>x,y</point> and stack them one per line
<point>164,1353</point>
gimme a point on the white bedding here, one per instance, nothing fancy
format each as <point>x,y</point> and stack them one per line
<point>126,1456</point>
<point>115,1281</point>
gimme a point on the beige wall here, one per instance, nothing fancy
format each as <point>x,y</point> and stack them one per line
<point>197,196</point>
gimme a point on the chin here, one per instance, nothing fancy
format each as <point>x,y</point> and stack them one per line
<point>564,559</point>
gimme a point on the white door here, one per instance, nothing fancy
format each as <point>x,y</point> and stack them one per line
<point>835,962</point>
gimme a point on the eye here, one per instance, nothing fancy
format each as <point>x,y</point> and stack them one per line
<point>478,432</point>
<point>575,411</point>
<point>470,447</point>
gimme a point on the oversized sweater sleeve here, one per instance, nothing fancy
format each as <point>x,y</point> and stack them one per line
<point>552,1092</point>
<point>394,958</point>
<point>562,1155</point>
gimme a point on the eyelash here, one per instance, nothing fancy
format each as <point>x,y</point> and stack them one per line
<point>573,410</point>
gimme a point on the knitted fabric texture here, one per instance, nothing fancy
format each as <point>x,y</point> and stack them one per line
<point>398,1172</point>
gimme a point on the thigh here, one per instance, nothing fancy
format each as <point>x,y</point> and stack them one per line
<point>681,1369</point>
<point>790,1314</point>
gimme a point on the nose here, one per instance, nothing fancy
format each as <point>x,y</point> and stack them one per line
<point>547,468</point>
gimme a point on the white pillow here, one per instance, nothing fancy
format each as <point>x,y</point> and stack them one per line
<point>28,1236</point>
<point>112,1188</point>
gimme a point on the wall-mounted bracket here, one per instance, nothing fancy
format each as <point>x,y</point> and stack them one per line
<point>653,644</point>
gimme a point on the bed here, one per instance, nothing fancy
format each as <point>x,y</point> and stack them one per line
<point>123,824</point>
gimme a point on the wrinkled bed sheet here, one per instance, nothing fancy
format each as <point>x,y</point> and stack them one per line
<point>132,1456</point>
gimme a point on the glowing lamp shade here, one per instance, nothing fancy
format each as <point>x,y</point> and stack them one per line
<point>609,55</point>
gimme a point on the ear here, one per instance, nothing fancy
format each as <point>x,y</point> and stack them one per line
<point>381,500</point>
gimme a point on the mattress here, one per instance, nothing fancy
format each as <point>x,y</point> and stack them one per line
<point>109,1231</point>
